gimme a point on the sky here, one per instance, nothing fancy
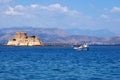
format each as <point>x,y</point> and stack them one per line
<point>66,14</point>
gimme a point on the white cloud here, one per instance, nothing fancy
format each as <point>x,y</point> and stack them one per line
<point>40,7</point>
<point>51,7</point>
<point>19,7</point>
<point>115,9</point>
<point>11,11</point>
<point>34,6</point>
<point>104,16</point>
<point>54,15</point>
<point>57,7</point>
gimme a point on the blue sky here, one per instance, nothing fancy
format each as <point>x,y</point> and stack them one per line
<point>76,14</point>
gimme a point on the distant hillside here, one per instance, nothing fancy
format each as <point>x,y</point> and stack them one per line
<point>100,33</point>
<point>56,35</point>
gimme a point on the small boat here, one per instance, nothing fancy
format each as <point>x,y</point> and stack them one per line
<point>82,47</point>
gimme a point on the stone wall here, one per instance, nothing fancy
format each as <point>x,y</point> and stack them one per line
<point>21,39</point>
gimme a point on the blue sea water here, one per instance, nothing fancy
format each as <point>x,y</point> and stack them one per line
<point>59,63</point>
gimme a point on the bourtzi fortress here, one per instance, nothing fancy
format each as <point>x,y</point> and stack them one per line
<point>21,39</point>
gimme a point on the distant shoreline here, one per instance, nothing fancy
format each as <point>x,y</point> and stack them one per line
<point>66,44</point>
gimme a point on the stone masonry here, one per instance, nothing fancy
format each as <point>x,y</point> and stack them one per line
<point>21,39</point>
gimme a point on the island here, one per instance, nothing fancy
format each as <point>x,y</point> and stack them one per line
<point>21,39</point>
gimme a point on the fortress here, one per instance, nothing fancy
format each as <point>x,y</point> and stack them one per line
<point>21,39</point>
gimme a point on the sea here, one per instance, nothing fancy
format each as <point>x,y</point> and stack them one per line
<point>59,63</point>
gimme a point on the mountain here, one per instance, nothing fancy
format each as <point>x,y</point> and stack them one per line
<point>115,40</point>
<point>55,35</point>
<point>100,33</point>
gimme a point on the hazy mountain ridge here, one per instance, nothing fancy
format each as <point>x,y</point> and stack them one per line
<point>100,33</point>
<point>56,35</point>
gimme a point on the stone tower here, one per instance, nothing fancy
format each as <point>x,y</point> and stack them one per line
<point>20,35</point>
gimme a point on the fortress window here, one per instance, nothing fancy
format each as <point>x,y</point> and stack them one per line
<point>33,36</point>
<point>14,39</point>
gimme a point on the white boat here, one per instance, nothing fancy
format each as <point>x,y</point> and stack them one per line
<point>82,47</point>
